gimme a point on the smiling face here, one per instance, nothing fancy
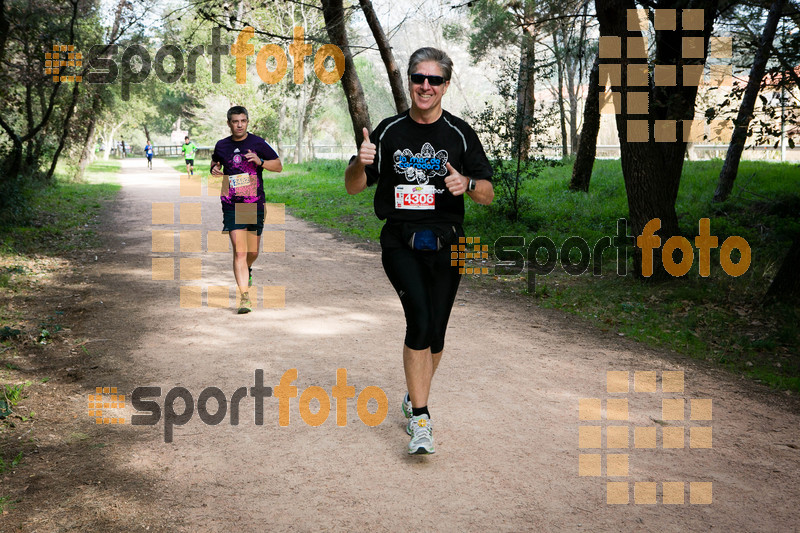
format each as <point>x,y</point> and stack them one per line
<point>238,126</point>
<point>426,100</point>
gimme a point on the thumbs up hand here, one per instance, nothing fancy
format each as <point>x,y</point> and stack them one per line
<point>455,182</point>
<point>366,154</point>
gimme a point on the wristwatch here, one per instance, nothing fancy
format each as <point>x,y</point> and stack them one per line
<point>471,186</point>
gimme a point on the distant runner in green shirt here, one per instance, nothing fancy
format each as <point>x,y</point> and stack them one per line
<point>189,149</point>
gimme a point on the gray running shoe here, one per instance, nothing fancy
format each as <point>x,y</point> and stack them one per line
<point>421,436</point>
<point>407,406</point>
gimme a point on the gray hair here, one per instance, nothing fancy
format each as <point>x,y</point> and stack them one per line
<point>431,54</point>
<point>237,110</point>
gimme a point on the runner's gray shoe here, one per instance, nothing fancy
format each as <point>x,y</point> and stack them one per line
<point>421,435</point>
<point>407,406</point>
<point>408,412</point>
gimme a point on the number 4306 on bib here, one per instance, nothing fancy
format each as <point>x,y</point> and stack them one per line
<point>415,197</point>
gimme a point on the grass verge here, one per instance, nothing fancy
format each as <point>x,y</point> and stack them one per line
<point>62,216</point>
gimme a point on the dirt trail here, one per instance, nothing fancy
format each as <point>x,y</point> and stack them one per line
<point>505,404</point>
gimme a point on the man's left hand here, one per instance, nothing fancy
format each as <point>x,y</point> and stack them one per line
<point>253,158</point>
<point>455,182</point>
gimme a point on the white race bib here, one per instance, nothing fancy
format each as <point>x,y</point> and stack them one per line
<point>239,180</point>
<point>415,197</point>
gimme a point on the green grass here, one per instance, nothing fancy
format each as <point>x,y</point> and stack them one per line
<point>764,196</point>
<point>62,215</point>
<point>6,503</point>
<point>201,166</point>
<point>315,191</point>
<point>12,463</point>
<point>718,318</point>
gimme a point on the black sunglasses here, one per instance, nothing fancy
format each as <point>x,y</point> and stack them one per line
<point>419,79</point>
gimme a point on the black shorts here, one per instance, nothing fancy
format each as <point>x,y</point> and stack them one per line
<point>426,283</point>
<point>229,222</point>
<point>190,162</point>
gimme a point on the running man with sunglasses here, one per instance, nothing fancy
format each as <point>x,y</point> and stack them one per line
<point>423,161</point>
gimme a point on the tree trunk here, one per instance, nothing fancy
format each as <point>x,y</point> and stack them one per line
<point>64,132</point>
<point>395,78</point>
<point>30,159</point>
<point>786,285</point>
<point>333,11</point>
<point>102,137</point>
<point>298,145</point>
<point>9,176</point>
<point>87,154</point>
<point>587,145</point>
<point>691,155</point>
<point>281,119</point>
<point>560,56</point>
<point>112,141</point>
<point>88,147</point>
<point>4,30</point>
<point>572,94</point>
<point>731,166</point>
<point>309,111</point>
<point>108,144</point>
<point>574,83</point>
<point>526,94</point>
<point>652,170</point>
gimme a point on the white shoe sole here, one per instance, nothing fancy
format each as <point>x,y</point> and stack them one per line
<point>422,450</point>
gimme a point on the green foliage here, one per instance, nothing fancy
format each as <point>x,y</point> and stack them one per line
<point>500,129</point>
<point>11,395</point>
<point>745,22</point>
<point>6,503</point>
<point>16,460</point>
<point>17,190</point>
<point>315,191</point>
<point>48,327</point>
<point>8,333</point>
<point>455,32</point>
<point>59,207</point>
<point>378,95</point>
<point>494,26</point>
<point>36,108</point>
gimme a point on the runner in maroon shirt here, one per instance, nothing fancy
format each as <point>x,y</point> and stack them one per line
<point>242,157</point>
